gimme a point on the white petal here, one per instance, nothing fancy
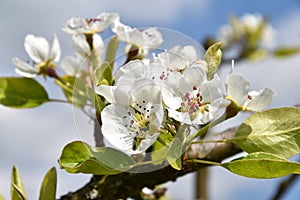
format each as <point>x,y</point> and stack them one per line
<point>152,38</point>
<point>133,69</point>
<point>75,26</point>
<point>24,69</point>
<point>98,43</point>
<point>37,48</point>
<point>114,127</point>
<point>145,91</point>
<point>211,90</point>
<point>174,59</point>
<point>261,101</point>
<point>146,143</point>
<point>189,53</point>
<point>107,92</point>
<point>136,38</point>
<point>182,117</point>
<point>237,87</point>
<point>122,31</point>
<point>80,45</point>
<point>106,19</point>
<point>55,52</point>
<point>194,76</point>
<point>171,98</point>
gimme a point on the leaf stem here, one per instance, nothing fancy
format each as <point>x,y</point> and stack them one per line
<point>203,162</point>
<point>205,129</point>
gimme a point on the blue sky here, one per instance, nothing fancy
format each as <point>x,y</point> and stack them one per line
<point>32,139</point>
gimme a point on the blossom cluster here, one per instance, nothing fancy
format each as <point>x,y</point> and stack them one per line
<point>146,97</point>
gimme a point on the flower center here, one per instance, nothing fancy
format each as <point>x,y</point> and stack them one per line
<point>191,101</point>
<point>139,122</point>
<point>92,20</point>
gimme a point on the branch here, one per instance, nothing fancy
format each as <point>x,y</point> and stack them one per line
<point>125,184</point>
<point>284,186</point>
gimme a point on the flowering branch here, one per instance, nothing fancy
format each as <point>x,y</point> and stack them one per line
<point>130,184</point>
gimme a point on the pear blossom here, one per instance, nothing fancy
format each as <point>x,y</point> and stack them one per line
<point>41,53</point>
<point>238,86</point>
<point>196,101</point>
<point>81,46</point>
<point>135,71</point>
<point>90,26</point>
<point>134,127</point>
<point>178,58</point>
<point>145,39</point>
<point>246,26</point>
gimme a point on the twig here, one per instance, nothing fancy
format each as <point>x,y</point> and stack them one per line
<point>284,186</point>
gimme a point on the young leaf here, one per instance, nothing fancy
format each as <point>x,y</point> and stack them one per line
<point>48,187</point>
<point>286,51</point>
<point>262,165</point>
<point>21,92</point>
<point>17,188</point>
<point>95,99</point>
<point>175,153</point>
<point>74,89</point>
<point>274,131</point>
<point>1,197</point>
<point>103,74</point>
<point>213,58</point>
<point>79,157</point>
<point>111,51</point>
<point>160,150</point>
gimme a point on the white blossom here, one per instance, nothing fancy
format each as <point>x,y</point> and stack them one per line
<point>40,52</point>
<point>178,58</point>
<point>81,46</point>
<point>238,87</point>
<point>134,127</point>
<point>145,39</point>
<point>196,101</point>
<point>90,26</point>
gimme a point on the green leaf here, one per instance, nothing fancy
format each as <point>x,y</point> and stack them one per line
<point>74,89</point>
<point>95,99</point>
<point>111,50</point>
<point>1,197</point>
<point>262,165</point>
<point>175,153</point>
<point>79,157</point>
<point>21,92</point>
<point>274,131</point>
<point>103,74</point>
<point>213,58</point>
<point>17,188</point>
<point>286,51</point>
<point>48,187</point>
<point>160,149</point>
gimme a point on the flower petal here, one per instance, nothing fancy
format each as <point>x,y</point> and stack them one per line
<point>210,90</point>
<point>152,38</point>
<point>194,76</point>
<point>80,45</point>
<point>75,26</point>
<point>237,87</point>
<point>261,101</point>
<point>55,52</point>
<point>115,129</point>
<point>37,48</point>
<point>24,69</point>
